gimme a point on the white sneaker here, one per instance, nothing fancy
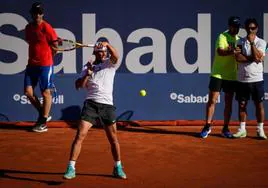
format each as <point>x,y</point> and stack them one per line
<point>261,134</point>
<point>49,118</point>
<point>240,134</point>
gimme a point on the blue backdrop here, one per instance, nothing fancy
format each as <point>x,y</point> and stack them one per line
<point>165,47</point>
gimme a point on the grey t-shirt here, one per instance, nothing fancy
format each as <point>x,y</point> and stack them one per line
<point>251,71</point>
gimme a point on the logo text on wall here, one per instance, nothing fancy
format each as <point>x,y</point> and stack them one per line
<point>24,100</point>
<point>181,98</point>
<point>158,49</point>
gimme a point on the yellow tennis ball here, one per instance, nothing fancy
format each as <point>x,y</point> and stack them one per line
<point>142,92</point>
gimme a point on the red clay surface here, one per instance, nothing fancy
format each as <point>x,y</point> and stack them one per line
<point>153,156</point>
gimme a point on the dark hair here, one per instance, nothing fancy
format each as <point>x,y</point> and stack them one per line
<point>250,21</point>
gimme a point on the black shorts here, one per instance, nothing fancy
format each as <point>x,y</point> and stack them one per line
<point>93,112</point>
<point>255,90</point>
<point>217,84</point>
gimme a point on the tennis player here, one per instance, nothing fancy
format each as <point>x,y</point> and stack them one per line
<point>39,34</point>
<point>98,79</point>
<point>223,76</point>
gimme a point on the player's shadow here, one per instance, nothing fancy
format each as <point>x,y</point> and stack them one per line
<point>15,175</point>
<point>13,125</point>
<point>233,138</point>
<point>125,124</point>
<point>157,130</point>
<point>135,127</point>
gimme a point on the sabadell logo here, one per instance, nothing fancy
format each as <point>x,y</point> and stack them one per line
<point>59,99</point>
<point>181,98</point>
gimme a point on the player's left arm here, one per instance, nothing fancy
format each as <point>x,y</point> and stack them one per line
<point>258,52</point>
<point>51,38</point>
<point>113,52</point>
<point>239,56</point>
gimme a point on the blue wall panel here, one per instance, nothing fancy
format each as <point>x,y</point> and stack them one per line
<point>165,47</point>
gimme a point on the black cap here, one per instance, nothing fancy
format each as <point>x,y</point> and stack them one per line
<point>234,21</point>
<point>37,8</point>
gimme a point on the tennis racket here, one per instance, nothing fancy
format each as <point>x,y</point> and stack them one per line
<point>62,45</point>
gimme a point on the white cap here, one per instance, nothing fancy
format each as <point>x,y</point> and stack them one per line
<point>98,47</point>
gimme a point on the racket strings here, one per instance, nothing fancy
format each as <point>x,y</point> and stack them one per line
<point>66,44</point>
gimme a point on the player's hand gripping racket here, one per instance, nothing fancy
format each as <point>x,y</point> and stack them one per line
<point>62,45</point>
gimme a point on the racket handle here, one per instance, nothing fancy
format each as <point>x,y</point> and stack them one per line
<point>90,45</point>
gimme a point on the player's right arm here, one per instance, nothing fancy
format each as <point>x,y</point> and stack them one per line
<point>221,46</point>
<point>51,38</point>
<point>85,75</point>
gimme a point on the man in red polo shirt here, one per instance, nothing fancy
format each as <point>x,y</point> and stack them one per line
<point>40,36</point>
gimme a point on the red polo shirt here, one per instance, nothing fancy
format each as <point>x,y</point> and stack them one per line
<point>39,38</point>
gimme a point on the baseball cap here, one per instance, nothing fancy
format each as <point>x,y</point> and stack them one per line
<point>98,47</point>
<point>234,21</point>
<point>37,8</point>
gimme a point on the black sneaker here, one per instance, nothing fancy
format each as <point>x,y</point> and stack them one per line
<point>226,133</point>
<point>39,128</point>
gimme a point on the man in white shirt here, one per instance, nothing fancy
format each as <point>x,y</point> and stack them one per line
<point>98,79</point>
<point>250,57</point>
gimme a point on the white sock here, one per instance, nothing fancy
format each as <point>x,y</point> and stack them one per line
<point>72,164</point>
<point>243,126</point>
<point>260,126</point>
<point>117,163</point>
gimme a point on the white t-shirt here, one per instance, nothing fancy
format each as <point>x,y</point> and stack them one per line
<point>100,85</point>
<point>251,71</point>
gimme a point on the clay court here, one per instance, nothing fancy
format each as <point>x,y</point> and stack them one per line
<point>153,156</point>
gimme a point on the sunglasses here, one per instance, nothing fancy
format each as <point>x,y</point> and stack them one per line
<point>252,28</point>
<point>37,12</point>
